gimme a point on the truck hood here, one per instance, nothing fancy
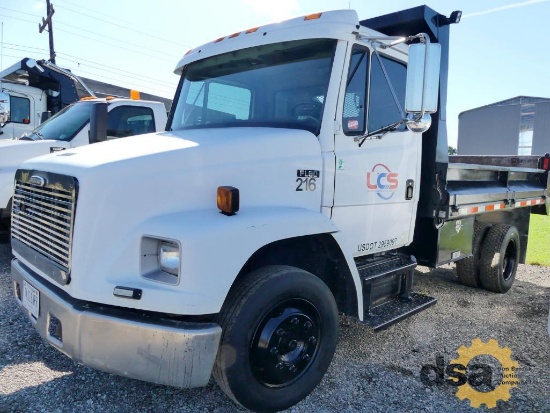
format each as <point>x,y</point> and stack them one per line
<point>15,152</point>
<point>147,168</point>
<point>199,146</point>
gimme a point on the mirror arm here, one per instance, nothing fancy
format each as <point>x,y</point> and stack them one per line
<point>397,40</point>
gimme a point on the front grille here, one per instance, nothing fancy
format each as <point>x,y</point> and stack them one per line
<point>43,214</point>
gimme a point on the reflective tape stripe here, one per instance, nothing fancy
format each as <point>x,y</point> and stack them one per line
<point>494,207</point>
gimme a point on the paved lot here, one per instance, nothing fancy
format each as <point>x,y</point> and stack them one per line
<point>370,373</point>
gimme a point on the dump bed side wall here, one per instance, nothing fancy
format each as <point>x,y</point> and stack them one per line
<point>497,160</point>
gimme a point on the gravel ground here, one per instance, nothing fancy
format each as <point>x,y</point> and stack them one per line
<point>371,372</point>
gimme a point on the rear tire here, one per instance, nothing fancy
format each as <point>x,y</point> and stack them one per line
<point>468,269</point>
<point>279,333</point>
<point>499,258</point>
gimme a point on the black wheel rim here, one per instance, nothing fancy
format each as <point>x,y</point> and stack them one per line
<point>509,261</point>
<point>285,343</point>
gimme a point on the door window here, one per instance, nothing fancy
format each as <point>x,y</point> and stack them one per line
<point>382,108</point>
<point>353,118</point>
<point>130,120</point>
<point>383,111</point>
<point>20,110</point>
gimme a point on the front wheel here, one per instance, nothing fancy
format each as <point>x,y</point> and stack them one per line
<point>279,333</point>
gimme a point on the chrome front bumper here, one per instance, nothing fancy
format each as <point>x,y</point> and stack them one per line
<point>148,348</point>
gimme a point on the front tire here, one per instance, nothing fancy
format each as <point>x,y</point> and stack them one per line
<point>279,333</point>
<point>499,258</point>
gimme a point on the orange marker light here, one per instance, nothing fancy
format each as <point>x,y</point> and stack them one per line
<point>228,200</point>
<point>134,95</point>
<point>219,40</point>
<point>234,35</point>
<point>313,16</point>
<point>254,29</point>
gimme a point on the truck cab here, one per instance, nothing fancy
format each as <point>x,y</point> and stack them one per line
<point>22,106</point>
<point>31,91</point>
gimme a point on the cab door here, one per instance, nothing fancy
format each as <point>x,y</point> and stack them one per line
<point>377,177</point>
<point>22,109</point>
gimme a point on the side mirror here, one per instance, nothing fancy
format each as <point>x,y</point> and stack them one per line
<point>98,123</point>
<point>423,78</point>
<point>5,107</point>
<point>44,116</point>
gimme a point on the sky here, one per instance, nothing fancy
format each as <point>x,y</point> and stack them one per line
<point>497,51</point>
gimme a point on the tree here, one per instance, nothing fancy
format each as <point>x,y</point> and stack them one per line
<point>452,150</point>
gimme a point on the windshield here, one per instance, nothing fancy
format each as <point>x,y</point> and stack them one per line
<point>275,85</point>
<point>66,123</point>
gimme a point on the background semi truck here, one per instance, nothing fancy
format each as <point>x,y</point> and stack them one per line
<point>300,176</point>
<point>111,118</point>
<point>31,91</point>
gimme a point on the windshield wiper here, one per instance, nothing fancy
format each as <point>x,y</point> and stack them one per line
<point>30,138</point>
<point>380,133</point>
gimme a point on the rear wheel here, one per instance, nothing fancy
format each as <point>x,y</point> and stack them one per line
<point>279,333</point>
<point>499,258</point>
<point>467,269</point>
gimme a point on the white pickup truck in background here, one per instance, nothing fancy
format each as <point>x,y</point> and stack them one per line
<point>70,128</point>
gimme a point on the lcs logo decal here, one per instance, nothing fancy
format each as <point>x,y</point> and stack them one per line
<point>382,180</point>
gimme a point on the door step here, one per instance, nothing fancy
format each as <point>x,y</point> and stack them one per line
<point>386,314</point>
<point>387,290</point>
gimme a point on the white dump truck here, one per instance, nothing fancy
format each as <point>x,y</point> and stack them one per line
<point>301,176</point>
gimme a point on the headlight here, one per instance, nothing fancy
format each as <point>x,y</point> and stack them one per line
<point>169,258</point>
<point>160,260</point>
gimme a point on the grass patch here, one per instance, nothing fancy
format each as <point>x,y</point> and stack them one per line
<point>538,247</point>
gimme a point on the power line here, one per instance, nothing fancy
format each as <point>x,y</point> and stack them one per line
<point>164,84</point>
<point>167,85</point>
<point>118,80</point>
<point>110,37</point>
<point>126,75</point>
<point>141,84</point>
<point>117,24</point>
<point>17,18</point>
<point>81,29</point>
<point>116,46</point>
<point>21,12</point>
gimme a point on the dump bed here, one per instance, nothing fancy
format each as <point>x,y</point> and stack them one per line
<point>491,189</point>
<point>488,186</point>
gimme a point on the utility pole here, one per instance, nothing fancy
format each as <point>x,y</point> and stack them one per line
<point>48,21</point>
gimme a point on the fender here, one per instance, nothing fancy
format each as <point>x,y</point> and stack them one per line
<point>214,248</point>
<point>219,245</point>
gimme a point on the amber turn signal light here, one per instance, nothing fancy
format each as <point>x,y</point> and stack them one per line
<point>228,200</point>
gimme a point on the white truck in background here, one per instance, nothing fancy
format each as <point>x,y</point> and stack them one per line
<point>87,121</point>
<point>31,91</point>
<point>300,175</point>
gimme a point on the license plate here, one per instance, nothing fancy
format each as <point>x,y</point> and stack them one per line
<point>31,299</point>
